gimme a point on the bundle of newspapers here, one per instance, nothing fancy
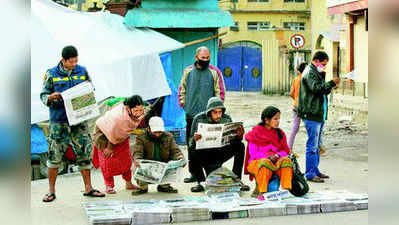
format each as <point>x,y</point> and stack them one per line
<point>188,209</point>
<point>227,206</point>
<point>105,213</point>
<point>222,180</point>
<point>156,172</point>
<point>147,212</point>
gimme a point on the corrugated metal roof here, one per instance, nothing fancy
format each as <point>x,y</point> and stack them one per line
<point>178,18</point>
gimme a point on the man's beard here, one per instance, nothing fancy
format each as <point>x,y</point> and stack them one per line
<point>154,138</point>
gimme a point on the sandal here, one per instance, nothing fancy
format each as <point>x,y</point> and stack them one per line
<point>92,193</point>
<point>139,191</point>
<point>110,190</point>
<point>49,197</point>
<point>166,189</point>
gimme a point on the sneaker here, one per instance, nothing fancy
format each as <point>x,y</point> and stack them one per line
<point>316,179</point>
<point>198,188</point>
<point>190,179</point>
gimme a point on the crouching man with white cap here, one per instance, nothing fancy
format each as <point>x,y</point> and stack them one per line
<point>158,145</point>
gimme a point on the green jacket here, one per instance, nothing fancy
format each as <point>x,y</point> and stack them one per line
<point>144,148</point>
<point>311,94</point>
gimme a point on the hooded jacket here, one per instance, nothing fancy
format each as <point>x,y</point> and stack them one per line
<point>205,117</point>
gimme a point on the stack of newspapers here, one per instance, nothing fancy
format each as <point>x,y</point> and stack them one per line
<point>222,180</point>
<point>147,212</point>
<point>267,209</point>
<point>104,213</point>
<point>188,209</point>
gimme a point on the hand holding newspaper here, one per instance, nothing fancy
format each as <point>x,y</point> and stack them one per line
<point>156,172</point>
<point>216,135</point>
<point>80,103</point>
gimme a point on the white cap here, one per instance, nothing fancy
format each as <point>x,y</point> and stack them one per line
<point>156,124</point>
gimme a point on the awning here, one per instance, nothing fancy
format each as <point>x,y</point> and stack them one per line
<point>178,18</point>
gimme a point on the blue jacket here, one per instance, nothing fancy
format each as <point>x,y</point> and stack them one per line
<point>57,79</point>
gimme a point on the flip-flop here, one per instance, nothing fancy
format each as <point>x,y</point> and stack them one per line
<point>91,193</point>
<point>49,197</point>
<point>110,190</point>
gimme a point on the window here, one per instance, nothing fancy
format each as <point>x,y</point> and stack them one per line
<point>258,26</point>
<point>294,25</point>
<point>258,0</point>
<point>294,0</point>
<point>235,27</point>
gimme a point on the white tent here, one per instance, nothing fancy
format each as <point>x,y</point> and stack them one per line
<point>120,61</point>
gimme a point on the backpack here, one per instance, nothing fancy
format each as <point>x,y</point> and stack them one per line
<point>299,184</point>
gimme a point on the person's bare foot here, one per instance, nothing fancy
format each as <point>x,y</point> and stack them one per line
<point>130,186</point>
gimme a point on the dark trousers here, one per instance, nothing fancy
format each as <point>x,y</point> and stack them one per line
<point>211,159</point>
<point>191,165</point>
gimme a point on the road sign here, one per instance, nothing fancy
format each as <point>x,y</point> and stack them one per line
<point>297,41</point>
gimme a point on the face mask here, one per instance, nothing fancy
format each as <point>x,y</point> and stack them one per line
<point>320,68</point>
<point>203,64</point>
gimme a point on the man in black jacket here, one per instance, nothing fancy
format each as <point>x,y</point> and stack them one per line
<point>313,109</point>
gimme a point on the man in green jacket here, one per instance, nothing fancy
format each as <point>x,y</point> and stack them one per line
<point>213,158</point>
<point>158,145</point>
<point>313,109</point>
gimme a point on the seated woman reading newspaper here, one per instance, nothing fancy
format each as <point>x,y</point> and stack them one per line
<point>112,141</point>
<point>267,153</point>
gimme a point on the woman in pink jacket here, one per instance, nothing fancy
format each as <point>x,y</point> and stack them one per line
<point>112,141</point>
<point>267,152</point>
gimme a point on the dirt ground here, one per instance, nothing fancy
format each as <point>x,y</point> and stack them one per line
<point>346,161</point>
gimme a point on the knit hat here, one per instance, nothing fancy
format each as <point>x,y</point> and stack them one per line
<point>215,103</point>
<point>156,124</point>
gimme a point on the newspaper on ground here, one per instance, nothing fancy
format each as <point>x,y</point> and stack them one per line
<point>216,135</point>
<point>147,211</point>
<point>156,172</point>
<point>185,210</point>
<point>80,103</point>
<point>267,209</point>
<point>110,212</point>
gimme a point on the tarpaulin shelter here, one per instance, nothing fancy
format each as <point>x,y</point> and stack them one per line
<point>121,61</point>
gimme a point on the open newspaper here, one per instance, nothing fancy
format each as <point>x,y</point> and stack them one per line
<point>156,172</point>
<point>80,103</point>
<point>216,135</point>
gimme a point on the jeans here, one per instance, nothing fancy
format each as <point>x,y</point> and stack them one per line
<point>314,130</point>
<point>192,165</point>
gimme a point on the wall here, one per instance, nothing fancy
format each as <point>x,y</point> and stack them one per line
<point>263,6</point>
<point>361,49</point>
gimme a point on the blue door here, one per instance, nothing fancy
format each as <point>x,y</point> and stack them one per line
<point>241,68</point>
<point>229,62</point>
<point>252,69</point>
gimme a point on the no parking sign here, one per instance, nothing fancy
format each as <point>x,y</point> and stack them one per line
<point>297,41</point>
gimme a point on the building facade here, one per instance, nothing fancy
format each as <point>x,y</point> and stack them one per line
<point>269,25</point>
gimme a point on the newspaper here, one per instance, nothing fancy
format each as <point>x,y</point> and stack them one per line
<point>80,103</point>
<point>216,135</point>
<point>156,172</point>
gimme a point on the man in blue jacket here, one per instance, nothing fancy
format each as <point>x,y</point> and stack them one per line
<point>61,135</point>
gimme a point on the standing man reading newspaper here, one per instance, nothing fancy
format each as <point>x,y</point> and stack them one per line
<point>199,82</point>
<point>213,158</point>
<point>65,75</point>
<point>158,145</point>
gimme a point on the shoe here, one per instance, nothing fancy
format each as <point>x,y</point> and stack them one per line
<point>190,179</point>
<point>166,189</point>
<point>245,188</point>
<point>322,150</point>
<point>316,179</point>
<point>139,191</point>
<point>198,188</point>
<point>324,176</point>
